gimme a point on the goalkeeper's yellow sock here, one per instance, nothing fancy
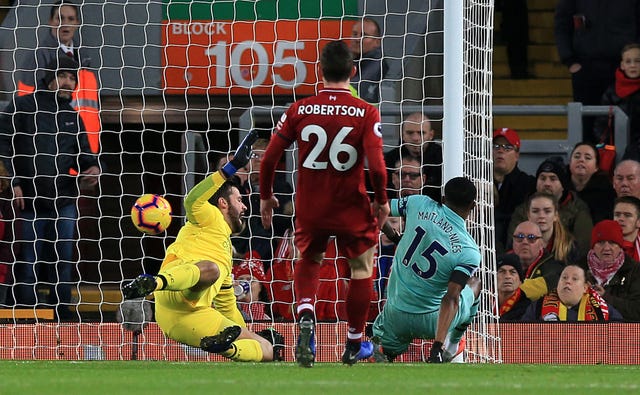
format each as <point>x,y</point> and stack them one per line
<point>244,350</point>
<point>178,278</point>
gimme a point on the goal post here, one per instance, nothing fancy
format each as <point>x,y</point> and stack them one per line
<point>181,81</point>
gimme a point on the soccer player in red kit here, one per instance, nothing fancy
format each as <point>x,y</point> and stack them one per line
<point>335,133</point>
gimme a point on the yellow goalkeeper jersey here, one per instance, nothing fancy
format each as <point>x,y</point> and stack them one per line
<point>205,236</point>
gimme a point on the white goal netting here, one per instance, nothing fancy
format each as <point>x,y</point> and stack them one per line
<point>178,84</point>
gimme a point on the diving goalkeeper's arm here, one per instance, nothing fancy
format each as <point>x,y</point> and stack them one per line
<point>241,156</point>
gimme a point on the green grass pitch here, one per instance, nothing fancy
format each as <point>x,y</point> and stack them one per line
<point>228,378</point>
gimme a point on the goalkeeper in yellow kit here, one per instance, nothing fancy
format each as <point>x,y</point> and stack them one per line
<point>195,303</point>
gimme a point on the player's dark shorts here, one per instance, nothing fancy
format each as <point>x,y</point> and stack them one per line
<point>352,243</point>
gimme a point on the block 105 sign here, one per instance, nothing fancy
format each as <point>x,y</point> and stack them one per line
<point>257,57</point>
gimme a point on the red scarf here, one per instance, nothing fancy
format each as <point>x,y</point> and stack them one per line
<point>626,86</point>
<point>603,272</point>
<point>533,265</point>
<point>509,303</point>
<point>254,310</point>
<point>592,307</point>
<point>632,249</point>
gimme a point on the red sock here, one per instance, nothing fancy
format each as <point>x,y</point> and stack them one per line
<point>305,284</point>
<point>358,299</point>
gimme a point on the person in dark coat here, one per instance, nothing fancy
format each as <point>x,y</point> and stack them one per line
<point>623,93</point>
<point>590,184</point>
<point>589,37</point>
<point>512,302</point>
<point>512,185</point>
<point>41,139</point>
<point>416,141</point>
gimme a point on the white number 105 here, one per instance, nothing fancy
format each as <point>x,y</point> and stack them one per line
<point>219,52</point>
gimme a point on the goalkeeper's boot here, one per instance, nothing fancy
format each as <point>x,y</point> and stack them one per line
<point>277,340</point>
<point>454,353</point>
<point>306,347</point>
<point>222,341</point>
<point>142,286</point>
<point>351,356</point>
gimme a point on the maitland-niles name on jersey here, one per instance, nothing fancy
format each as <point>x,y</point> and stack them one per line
<point>454,239</point>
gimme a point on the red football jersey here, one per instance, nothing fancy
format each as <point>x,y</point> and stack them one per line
<point>335,133</point>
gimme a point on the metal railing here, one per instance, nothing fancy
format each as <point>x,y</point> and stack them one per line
<point>532,151</point>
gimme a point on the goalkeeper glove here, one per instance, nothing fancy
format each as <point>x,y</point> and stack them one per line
<point>435,355</point>
<point>241,156</point>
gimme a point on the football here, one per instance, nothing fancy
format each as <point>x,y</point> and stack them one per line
<point>151,214</point>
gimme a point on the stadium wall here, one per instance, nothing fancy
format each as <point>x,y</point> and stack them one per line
<point>541,343</point>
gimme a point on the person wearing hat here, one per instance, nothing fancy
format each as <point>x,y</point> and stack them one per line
<point>616,276</point>
<point>61,41</point>
<point>512,302</point>
<point>552,178</point>
<point>248,280</point>
<point>512,185</point>
<point>574,300</point>
<point>41,138</point>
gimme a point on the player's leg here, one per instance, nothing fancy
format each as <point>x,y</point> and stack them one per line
<point>388,338</point>
<point>311,245</point>
<point>246,347</point>
<point>357,304</point>
<point>469,302</point>
<point>176,277</point>
<point>209,330</point>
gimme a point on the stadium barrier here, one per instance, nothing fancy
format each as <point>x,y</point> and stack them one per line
<point>547,343</point>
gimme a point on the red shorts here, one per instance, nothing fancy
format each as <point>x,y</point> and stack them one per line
<point>351,244</point>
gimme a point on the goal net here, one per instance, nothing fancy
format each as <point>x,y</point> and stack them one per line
<point>178,84</point>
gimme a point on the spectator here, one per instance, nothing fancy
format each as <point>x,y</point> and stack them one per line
<point>437,297</point>
<point>589,36</point>
<point>255,236</point>
<point>514,31</point>
<point>61,41</point>
<point>194,290</point>
<point>624,93</point>
<point>7,239</point>
<point>407,178</point>
<point>512,184</point>
<point>416,141</point>
<point>552,178</point>
<point>331,197</point>
<point>574,300</point>
<point>617,276</point>
<point>512,302</point>
<point>626,178</point>
<point>249,277</point>
<point>371,68</point>
<point>386,250</point>
<point>42,137</point>
<point>591,185</point>
<point>280,279</point>
<point>540,267</point>
<point>543,211</point>
<point>626,212</point>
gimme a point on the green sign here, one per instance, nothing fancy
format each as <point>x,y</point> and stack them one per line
<point>252,10</point>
